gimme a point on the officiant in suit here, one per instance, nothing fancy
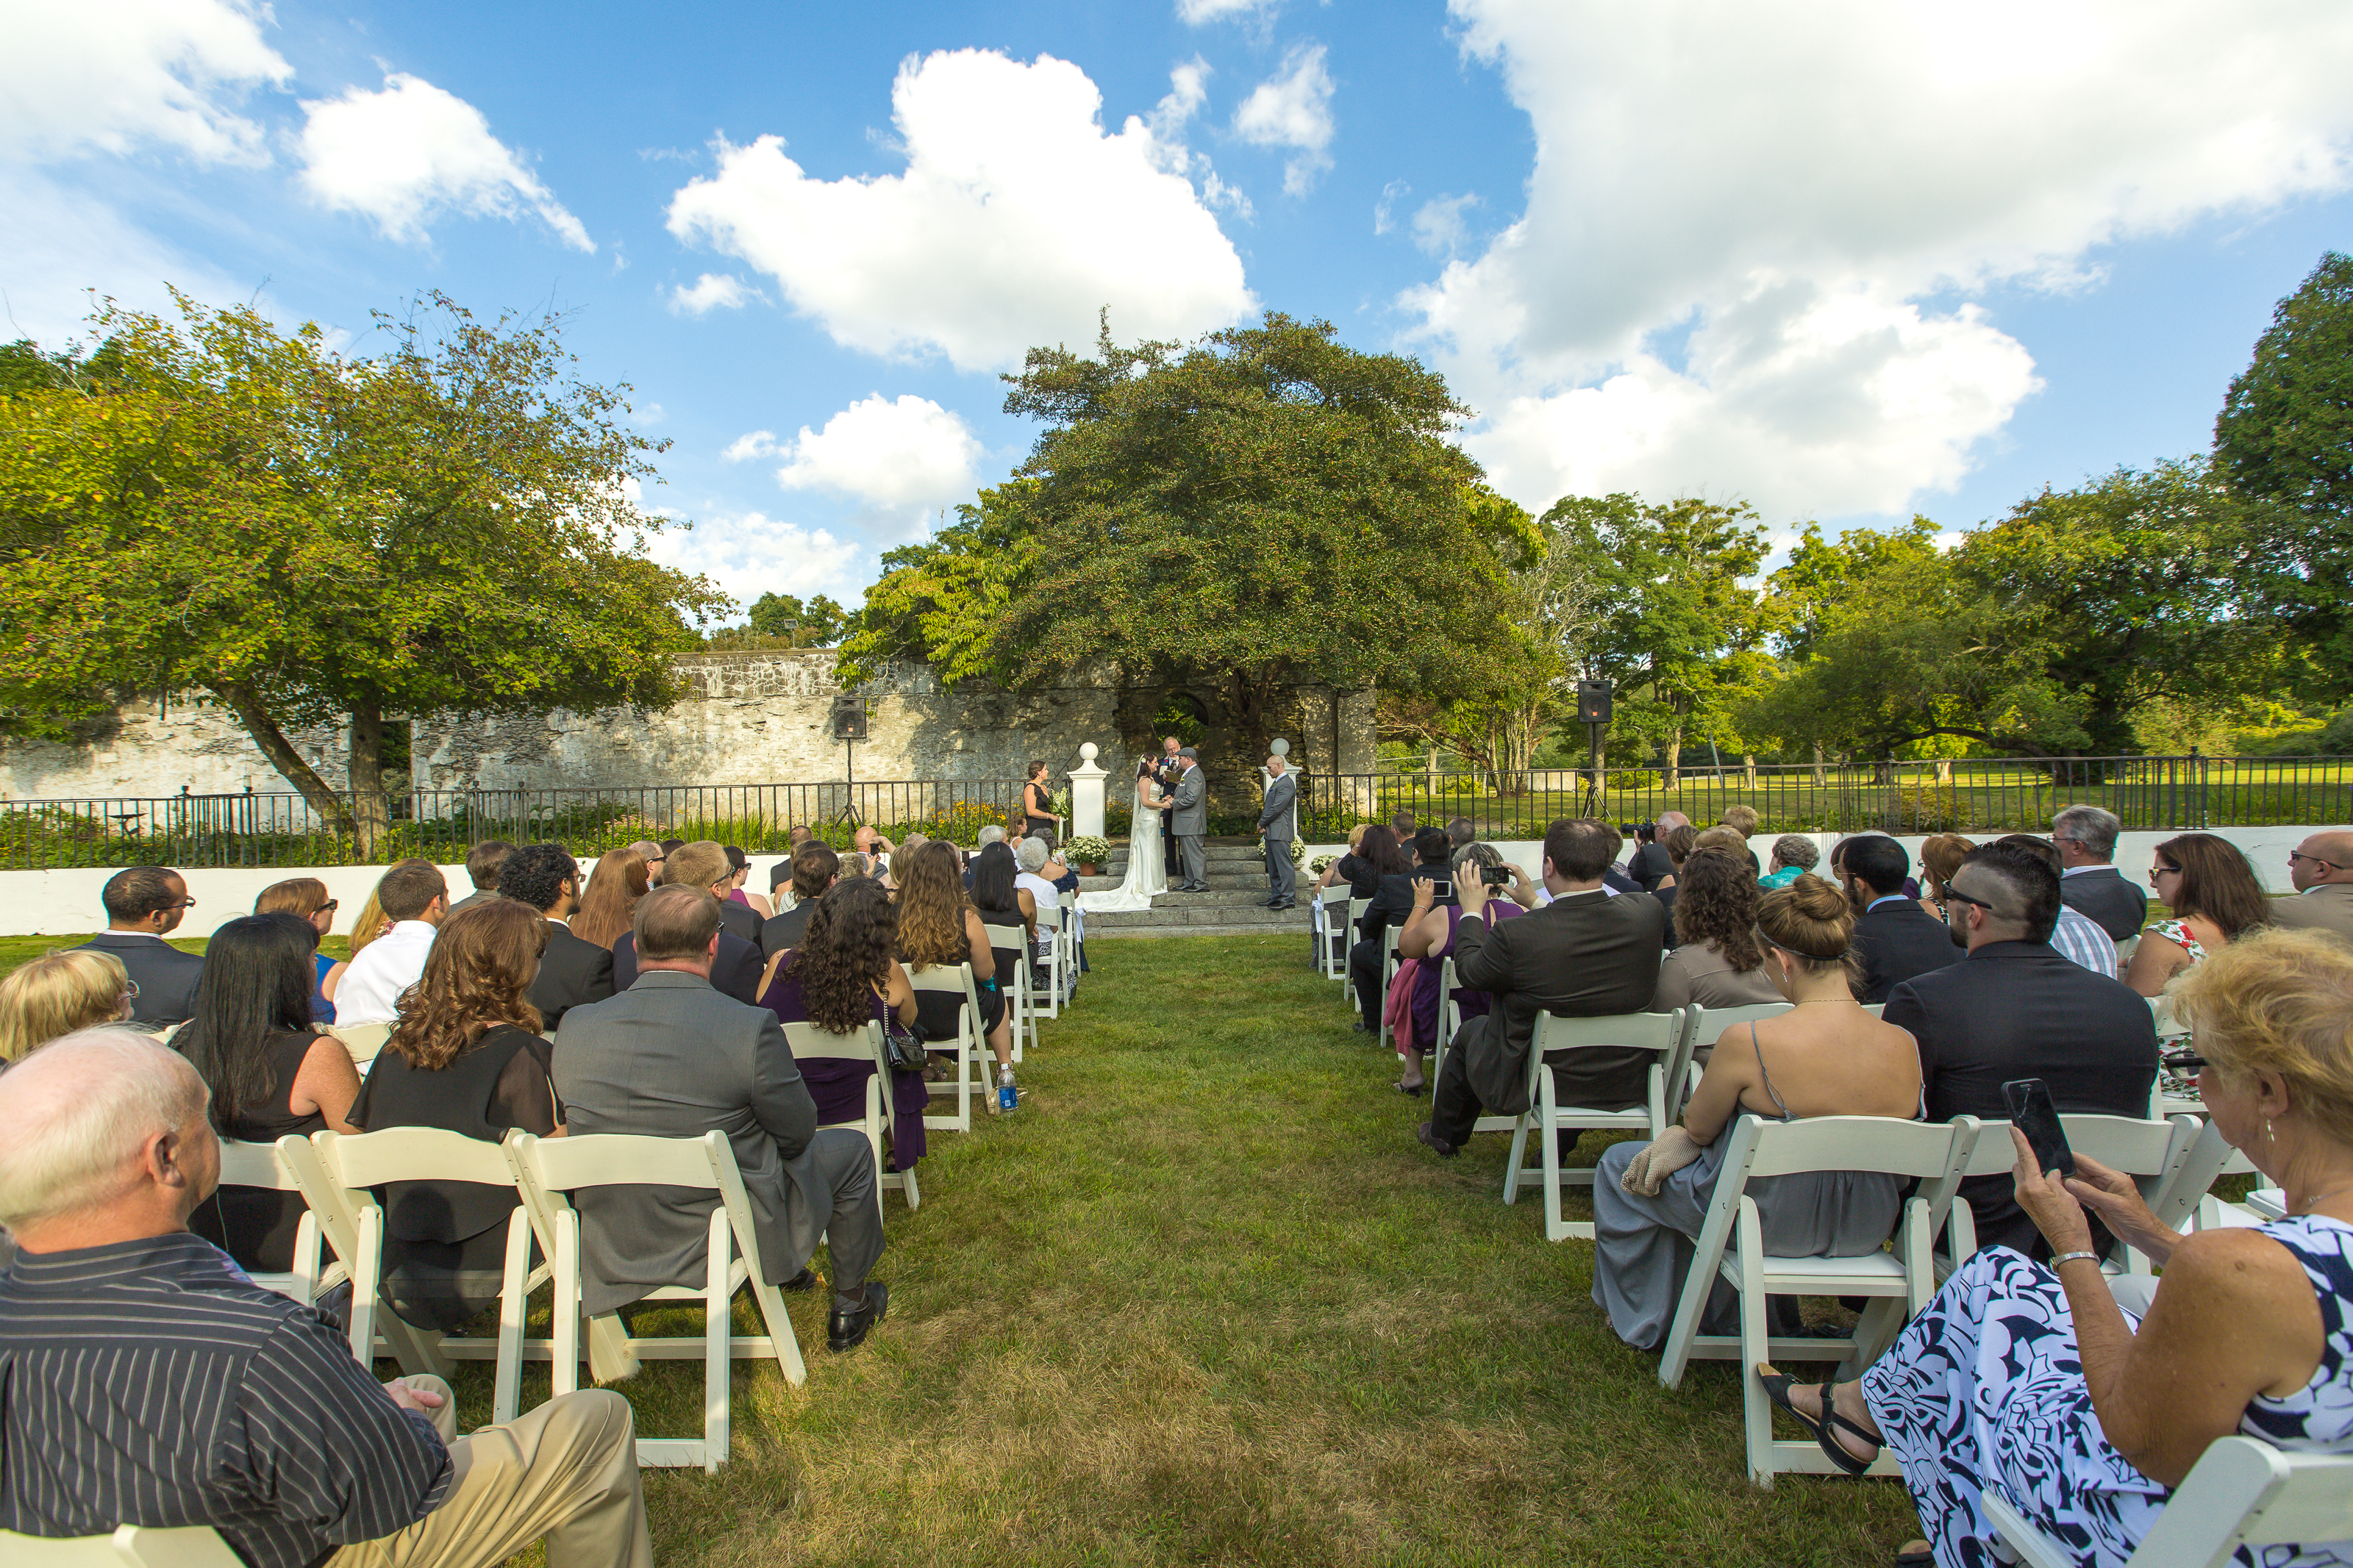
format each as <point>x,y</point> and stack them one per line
<point>1278,822</point>
<point>1189,820</point>
<point>1169,769</point>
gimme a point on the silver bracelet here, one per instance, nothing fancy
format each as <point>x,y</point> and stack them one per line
<point>2072,1256</point>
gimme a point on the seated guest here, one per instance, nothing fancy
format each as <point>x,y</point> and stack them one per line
<point>1429,938</point>
<point>1793,854</point>
<point>938,925</point>
<point>841,976</point>
<point>2085,1400</point>
<point>869,842</point>
<point>142,905</point>
<point>2075,937</point>
<point>1402,827</point>
<point>1679,841</point>
<point>1057,872</point>
<point>570,970</point>
<point>2086,840</point>
<point>1035,877</point>
<point>855,867</point>
<point>669,846</point>
<point>1393,906</point>
<point>1744,821</point>
<point>673,1059</point>
<point>1649,865</point>
<point>739,867</point>
<point>1824,1057</point>
<point>1716,961</point>
<point>305,898</point>
<point>1893,937</point>
<point>56,994</point>
<point>1940,856</point>
<point>2321,869</point>
<point>815,869</point>
<point>2013,1008</point>
<point>610,900</point>
<point>735,970</point>
<point>1352,870</point>
<point>415,899</point>
<point>651,853</point>
<point>482,864</point>
<point>2215,899</point>
<point>467,1057</point>
<point>1000,901</point>
<point>368,925</point>
<point>1460,833</point>
<point>226,1404</point>
<point>1585,954</point>
<point>269,1073</point>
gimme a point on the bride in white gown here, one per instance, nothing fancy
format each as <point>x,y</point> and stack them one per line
<point>1146,874</point>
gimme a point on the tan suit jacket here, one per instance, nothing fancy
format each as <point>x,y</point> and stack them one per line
<point>2329,907</point>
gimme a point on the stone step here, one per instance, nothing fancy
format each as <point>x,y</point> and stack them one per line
<point>1226,881</point>
<point>1197,916</point>
<point>1213,856</point>
<point>1133,933</point>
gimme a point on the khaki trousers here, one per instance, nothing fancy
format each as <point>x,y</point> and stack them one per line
<point>567,1472</point>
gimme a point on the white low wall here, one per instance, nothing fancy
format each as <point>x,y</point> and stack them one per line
<point>65,903</point>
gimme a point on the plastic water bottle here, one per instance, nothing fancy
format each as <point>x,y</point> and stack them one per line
<point>1007,1097</point>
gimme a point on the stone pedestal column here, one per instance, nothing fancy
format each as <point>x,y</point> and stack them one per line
<point>1087,795</point>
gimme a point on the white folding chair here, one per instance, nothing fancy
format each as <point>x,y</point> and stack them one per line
<point>258,1166</point>
<point>357,1163</point>
<point>2190,1201</point>
<point>1329,920</point>
<point>2243,1492</point>
<point>970,1046</point>
<point>1356,908</point>
<point>1707,1026</point>
<point>1390,959</point>
<point>546,1169</point>
<point>1656,1032</point>
<point>416,1349</point>
<point>2151,1153</point>
<point>131,1546</point>
<point>1058,927</point>
<point>1014,940</point>
<point>1450,1022</point>
<point>1731,1247</point>
<point>810,1043</point>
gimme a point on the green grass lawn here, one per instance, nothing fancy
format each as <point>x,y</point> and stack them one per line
<point>1205,1300</point>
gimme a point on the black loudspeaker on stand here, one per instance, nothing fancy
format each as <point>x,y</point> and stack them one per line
<point>847,722</point>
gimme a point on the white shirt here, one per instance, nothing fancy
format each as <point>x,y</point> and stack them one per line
<point>370,990</point>
<point>1885,898</point>
<point>2079,870</point>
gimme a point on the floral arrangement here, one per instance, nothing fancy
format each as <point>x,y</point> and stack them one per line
<point>1320,864</point>
<point>1299,852</point>
<point>1088,848</point>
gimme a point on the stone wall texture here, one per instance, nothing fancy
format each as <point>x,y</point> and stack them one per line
<point>749,718</point>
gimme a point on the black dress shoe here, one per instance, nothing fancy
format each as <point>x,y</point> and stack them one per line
<point>805,1281</point>
<point>1283,905</point>
<point>1445,1150</point>
<point>847,1331</point>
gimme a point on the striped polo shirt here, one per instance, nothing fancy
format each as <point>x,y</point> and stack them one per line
<point>150,1383</point>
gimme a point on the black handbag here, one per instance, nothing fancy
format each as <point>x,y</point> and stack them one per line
<point>904,1052</point>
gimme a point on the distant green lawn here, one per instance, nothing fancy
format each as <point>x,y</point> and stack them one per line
<point>1204,1300</point>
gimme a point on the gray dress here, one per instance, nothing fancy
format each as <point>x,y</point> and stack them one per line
<point>1644,1245</point>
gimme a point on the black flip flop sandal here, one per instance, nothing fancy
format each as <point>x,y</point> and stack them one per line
<point>1924,1558</point>
<point>1412,1090</point>
<point>1776,1389</point>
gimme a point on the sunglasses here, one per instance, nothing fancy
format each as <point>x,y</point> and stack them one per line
<point>2183,1064</point>
<point>2157,871</point>
<point>1960,898</point>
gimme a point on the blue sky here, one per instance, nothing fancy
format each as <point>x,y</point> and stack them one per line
<point>1845,259</point>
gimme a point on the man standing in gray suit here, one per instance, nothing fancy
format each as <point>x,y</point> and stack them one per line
<point>1279,824</point>
<point>672,1058</point>
<point>1189,820</point>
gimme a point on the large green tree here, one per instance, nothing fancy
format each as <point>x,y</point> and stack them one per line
<point>448,527</point>
<point>2284,442</point>
<point>1264,508</point>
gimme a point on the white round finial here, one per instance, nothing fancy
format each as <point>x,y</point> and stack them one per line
<point>1086,750</point>
<point>1281,748</point>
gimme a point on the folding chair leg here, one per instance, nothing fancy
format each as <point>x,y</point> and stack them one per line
<point>1519,1146</point>
<point>506,1390</point>
<point>565,1374</point>
<point>1557,1227</point>
<point>718,1331</point>
<point>1756,1409</point>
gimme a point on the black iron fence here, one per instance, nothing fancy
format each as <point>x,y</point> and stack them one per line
<point>2165,794</point>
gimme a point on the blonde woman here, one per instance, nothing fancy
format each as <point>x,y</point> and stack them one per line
<point>59,992</point>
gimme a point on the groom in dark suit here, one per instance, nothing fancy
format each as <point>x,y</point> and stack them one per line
<point>1278,823</point>
<point>1190,818</point>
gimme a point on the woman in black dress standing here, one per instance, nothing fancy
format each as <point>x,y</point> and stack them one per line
<point>466,1056</point>
<point>1037,802</point>
<point>250,1041</point>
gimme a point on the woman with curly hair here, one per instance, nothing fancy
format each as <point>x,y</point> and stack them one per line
<point>842,976</point>
<point>1717,961</point>
<point>937,924</point>
<point>2215,899</point>
<point>1940,855</point>
<point>616,884</point>
<point>466,1056</point>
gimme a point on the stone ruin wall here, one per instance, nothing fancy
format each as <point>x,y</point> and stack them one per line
<point>749,717</point>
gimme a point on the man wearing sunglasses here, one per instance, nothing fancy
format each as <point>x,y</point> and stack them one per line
<point>142,905</point>
<point>2322,869</point>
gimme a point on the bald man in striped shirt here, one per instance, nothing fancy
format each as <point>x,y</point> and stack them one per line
<point>144,1380</point>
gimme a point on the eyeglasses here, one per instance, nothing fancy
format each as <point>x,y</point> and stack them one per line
<point>2157,871</point>
<point>183,904</point>
<point>2295,855</point>
<point>330,907</point>
<point>2184,1064</point>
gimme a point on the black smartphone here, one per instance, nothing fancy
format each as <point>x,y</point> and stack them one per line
<point>1495,875</point>
<point>2033,1113</point>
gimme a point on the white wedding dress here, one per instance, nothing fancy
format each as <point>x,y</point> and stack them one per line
<point>1146,874</point>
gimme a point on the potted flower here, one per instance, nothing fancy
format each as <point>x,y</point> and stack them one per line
<point>1088,851</point>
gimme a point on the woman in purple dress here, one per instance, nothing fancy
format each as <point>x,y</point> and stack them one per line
<point>842,977</point>
<point>1429,936</point>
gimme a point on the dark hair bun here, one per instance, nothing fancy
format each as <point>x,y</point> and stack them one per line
<point>1808,916</point>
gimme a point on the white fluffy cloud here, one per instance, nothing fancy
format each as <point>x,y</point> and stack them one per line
<point>750,554</point>
<point>1292,108</point>
<point>404,154</point>
<point>896,455</point>
<point>111,75</point>
<point>1795,182</point>
<point>712,291</point>
<point>1016,218</point>
<point>1196,12</point>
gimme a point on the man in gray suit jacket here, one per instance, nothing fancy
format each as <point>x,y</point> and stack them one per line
<point>1279,824</point>
<point>1190,821</point>
<point>673,1059</point>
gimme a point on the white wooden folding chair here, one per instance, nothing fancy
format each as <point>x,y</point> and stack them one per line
<point>1450,1025</point>
<point>1656,1032</point>
<point>357,1163</point>
<point>416,1349</point>
<point>1391,961</point>
<point>258,1166</point>
<point>1058,927</point>
<point>2150,1152</point>
<point>1330,924</point>
<point>1731,1247</point>
<point>2243,1492</point>
<point>810,1043</point>
<point>1356,908</point>
<point>1707,1026</point>
<point>2190,1201</point>
<point>547,1169</point>
<point>970,1045</point>
<point>131,1546</point>
<point>1013,941</point>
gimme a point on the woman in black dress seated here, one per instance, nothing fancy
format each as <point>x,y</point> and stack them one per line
<point>842,977</point>
<point>250,1041</point>
<point>938,925</point>
<point>466,1056</point>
